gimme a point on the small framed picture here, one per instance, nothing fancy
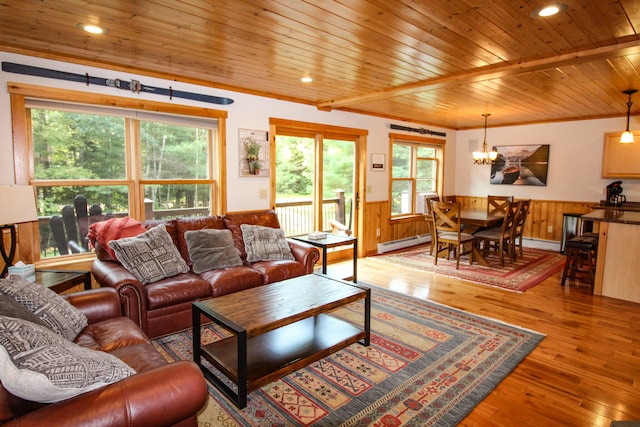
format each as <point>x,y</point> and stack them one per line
<point>377,162</point>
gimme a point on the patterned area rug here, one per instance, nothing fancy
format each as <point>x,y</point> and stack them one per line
<point>525,273</point>
<point>427,364</point>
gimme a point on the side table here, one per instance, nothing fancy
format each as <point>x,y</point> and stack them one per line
<point>332,241</point>
<point>63,280</point>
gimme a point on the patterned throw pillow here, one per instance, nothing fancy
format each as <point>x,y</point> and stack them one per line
<point>210,249</point>
<point>38,365</point>
<point>55,311</point>
<point>265,243</point>
<point>150,256</point>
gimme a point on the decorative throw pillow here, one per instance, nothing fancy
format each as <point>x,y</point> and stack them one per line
<point>12,308</point>
<point>55,311</point>
<point>38,365</point>
<point>265,243</point>
<point>210,249</point>
<point>150,256</point>
<point>101,233</point>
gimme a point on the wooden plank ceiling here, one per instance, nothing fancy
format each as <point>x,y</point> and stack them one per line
<point>435,62</point>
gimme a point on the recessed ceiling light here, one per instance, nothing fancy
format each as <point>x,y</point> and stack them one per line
<point>306,80</point>
<point>549,10</point>
<point>91,28</point>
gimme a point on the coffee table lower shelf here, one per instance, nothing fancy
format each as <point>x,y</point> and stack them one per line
<point>259,360</point>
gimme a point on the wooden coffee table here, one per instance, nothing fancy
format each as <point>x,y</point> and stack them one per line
<point>277,329</point>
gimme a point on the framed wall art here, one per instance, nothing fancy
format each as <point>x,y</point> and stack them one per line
<point>253,153</point>
<point>521,165</point>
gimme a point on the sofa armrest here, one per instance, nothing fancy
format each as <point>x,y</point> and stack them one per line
<point>97,304</point>
<point>162,396</point>
<point>306,254</point>
<point>132,293</point>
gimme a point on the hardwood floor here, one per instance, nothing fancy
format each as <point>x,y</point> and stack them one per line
<point>586,372</point>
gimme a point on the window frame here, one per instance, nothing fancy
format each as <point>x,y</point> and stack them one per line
<point>24,163</point>
<point>414,142</point>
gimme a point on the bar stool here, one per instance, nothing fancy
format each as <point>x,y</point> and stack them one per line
<point>581,257</point>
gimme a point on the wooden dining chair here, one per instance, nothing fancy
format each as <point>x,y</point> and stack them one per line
<point>498,204</point>
<point>518,226</point>
<point>500,237</point>
<point>429,217</point>
<point>448,235</point>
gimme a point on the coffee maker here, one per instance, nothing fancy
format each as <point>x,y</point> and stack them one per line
<point>614,194</point>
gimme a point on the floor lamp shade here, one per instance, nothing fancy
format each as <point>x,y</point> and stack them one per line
<point>17,205</point>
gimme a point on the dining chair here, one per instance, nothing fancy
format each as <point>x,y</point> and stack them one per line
<point>448,235</point>
<point>429,217</point>
<point>500,237</point>
<point>518,226</point>
<point>498,204</point>
<point>449,199</point>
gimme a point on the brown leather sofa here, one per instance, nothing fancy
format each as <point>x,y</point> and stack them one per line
<point>164,306</point>
<point>159,394</point>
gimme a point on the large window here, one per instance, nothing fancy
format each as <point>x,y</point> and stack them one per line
<point>415,173</point>
<point>90,163</point>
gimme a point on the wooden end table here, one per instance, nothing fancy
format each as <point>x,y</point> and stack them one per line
<point>63,280</point>
<point>276,329</point>
<point>332,241</point>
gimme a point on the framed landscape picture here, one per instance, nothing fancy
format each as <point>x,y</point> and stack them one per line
<point>521,165</point>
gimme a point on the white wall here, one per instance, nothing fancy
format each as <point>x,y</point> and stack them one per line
<point>575,160</point>
<point>247,112</point>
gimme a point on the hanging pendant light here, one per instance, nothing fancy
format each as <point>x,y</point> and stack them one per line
<point>627,135</point>
<point>485,157</point>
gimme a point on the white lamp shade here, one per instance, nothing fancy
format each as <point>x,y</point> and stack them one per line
<point>17,204</point>
<point>626,137</point>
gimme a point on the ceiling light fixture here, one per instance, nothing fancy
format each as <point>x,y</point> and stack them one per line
<point>92,28</point>
<point>306,80</point>
<point>549,10</point>
<point>485,157</point>
<point>627,135</point>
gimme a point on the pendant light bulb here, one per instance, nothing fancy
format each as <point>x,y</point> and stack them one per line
<point>627,135</point>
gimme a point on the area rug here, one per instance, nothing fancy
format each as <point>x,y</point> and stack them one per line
<point>535,266</point>
<point>428,364</point>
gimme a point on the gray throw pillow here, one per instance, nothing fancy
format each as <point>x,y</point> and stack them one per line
<point>54,310</point>
<point>38,365</point>
<point>210,249</point>
<point>150,256</point>
<point>12,308</point>
<point>265,243</point>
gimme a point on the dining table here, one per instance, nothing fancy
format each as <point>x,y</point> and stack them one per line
<point>475,219</point>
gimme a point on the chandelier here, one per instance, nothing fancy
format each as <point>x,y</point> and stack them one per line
<point>627,135</point>
<point>485,157</point>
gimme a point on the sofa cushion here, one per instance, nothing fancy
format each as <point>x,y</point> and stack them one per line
<point>176,290</point>
<point>210,249</point>
<point>55,311</point>
<point>101,233</point>
<point>265,243</point>
<point>38,365</point>
<point>150,256</point>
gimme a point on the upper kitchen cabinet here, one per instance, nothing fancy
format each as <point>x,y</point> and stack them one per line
<point>620,160</point>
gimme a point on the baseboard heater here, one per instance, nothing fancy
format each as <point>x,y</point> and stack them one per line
<point>403,243</point>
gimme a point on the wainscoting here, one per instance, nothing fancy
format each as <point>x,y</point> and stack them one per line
<point>542,215</point>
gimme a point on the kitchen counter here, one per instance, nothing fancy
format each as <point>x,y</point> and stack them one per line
<point>610,214</point>
<point>626,206</point>
<point>617,266</point>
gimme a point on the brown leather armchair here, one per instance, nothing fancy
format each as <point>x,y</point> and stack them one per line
<point>160,394</point>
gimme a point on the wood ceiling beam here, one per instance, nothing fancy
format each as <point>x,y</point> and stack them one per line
<point>491,72</point>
